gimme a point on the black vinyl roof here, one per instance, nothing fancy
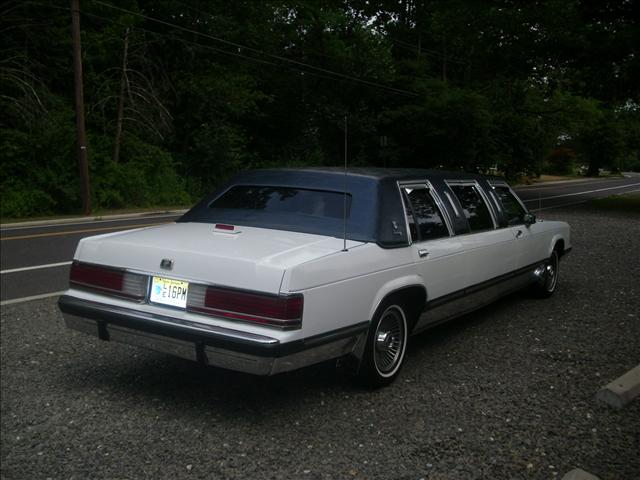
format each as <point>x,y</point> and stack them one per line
<point>376,210</point>
<point>396,174</point>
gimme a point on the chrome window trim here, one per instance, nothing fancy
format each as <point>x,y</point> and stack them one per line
<point>426,184</point>
<point>406,215</point>
<point>483,195</point>
<point>452,203</point>
<point>496,200</point>
<point>445,213</point>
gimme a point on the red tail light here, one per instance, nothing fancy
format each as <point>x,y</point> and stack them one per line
<point>223,226</point>
<point>108,280</point>
<point>280,311</point>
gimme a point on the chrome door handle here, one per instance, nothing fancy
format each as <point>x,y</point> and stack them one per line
<point>423,253</point>
<point>519,234</point>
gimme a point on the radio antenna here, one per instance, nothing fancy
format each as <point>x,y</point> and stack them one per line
<point>344,212</point>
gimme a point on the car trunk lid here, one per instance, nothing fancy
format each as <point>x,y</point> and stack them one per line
<point>243,257</point>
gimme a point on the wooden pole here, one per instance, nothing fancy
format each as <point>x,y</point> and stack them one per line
<point>444,58</point>
<point>119,119</point>
<point>81,140</point>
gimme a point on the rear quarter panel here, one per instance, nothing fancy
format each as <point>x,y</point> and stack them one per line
<point>345,288</point>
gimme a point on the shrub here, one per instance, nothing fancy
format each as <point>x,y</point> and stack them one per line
<point>560,161</point>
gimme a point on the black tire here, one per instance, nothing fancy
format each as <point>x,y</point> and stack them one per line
<point>548,281</point>
<point>386,346</point>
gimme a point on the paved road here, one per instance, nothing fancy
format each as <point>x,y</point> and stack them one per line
<point>504,393</point>
<point>50,248</point>
<point>552,195</point>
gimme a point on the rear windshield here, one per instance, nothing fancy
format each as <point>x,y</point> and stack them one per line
<point>293,201</point>
<point>283,200</point>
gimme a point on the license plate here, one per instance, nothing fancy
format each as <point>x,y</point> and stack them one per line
<point>168,291</point>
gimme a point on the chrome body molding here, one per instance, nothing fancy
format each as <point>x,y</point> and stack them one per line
<point>467,300</point>
<point>206,344</point>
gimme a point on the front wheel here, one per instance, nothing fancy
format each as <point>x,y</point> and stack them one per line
<point>386,346</point>
<point>548,278</point>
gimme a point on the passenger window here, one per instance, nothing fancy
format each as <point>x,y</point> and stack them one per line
<point>425,220</point>
<point>512,208</point>
<point>474,207</point>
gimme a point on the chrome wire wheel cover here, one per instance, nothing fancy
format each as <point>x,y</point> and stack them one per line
<point>551,273</point>
<point>390,341</point>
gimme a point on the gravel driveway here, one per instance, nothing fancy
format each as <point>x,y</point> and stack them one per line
<point>507,392</point>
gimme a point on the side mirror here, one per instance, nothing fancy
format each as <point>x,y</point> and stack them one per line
<point>529,219</point>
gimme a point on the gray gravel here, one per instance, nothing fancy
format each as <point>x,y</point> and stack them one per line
<point>507,392</point>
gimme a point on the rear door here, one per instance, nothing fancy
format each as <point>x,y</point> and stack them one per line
<point>436,251</point>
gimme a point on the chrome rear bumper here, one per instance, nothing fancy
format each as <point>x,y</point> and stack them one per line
<point>205,344</point>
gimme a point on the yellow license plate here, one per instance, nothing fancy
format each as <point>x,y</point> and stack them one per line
<point>168,291</point>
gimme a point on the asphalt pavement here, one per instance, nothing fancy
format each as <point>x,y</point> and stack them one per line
<point>545,196</point>
<point>504,393</point>
<point>35,258</point>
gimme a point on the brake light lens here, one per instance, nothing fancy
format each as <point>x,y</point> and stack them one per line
<point>224,226</point>
<point>108,280</point>
<point>274,310</point>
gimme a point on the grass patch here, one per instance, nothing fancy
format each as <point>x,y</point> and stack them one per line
<point>627,202</point>
<point>547,178</point>
<point>544,178</point>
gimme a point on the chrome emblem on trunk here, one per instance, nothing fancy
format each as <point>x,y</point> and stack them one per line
<point>166,263</point>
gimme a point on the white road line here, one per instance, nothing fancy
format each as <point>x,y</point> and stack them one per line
<point>124,220</point>
<point>575,203</point>
<point>28,299</point>
<point>580,193</point>
<point>577,183</point>
<point>35,267</point>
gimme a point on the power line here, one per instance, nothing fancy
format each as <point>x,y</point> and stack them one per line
<point>209,14</point>
<point>181,40</point>
<point>191,42</point>
<point>429,52</point>
<point>209,47</point>
<point>261,52</point>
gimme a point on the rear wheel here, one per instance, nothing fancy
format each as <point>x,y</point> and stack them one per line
<point>386,345</point>
<point>548,277</point>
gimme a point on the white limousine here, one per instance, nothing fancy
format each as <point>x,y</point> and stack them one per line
<point>280,269</point>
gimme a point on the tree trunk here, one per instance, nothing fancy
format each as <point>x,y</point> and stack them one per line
<point>594,168</point>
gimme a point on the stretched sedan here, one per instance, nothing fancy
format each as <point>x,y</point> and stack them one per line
<point>280,269</point>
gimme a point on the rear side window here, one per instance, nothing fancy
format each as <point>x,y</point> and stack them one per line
<point>424,217</point>
<point>512,208</point>
<point>474,207</point>
<point>284,200</point>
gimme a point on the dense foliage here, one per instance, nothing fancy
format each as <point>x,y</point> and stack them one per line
<point>207,88</point>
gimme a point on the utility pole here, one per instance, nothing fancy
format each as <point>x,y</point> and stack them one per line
<point>444,58</point>
<point>81,140</point>
<point>123,83</point>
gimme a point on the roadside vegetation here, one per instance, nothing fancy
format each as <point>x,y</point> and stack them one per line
<point>181,95</point>
<point>629,202</point>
